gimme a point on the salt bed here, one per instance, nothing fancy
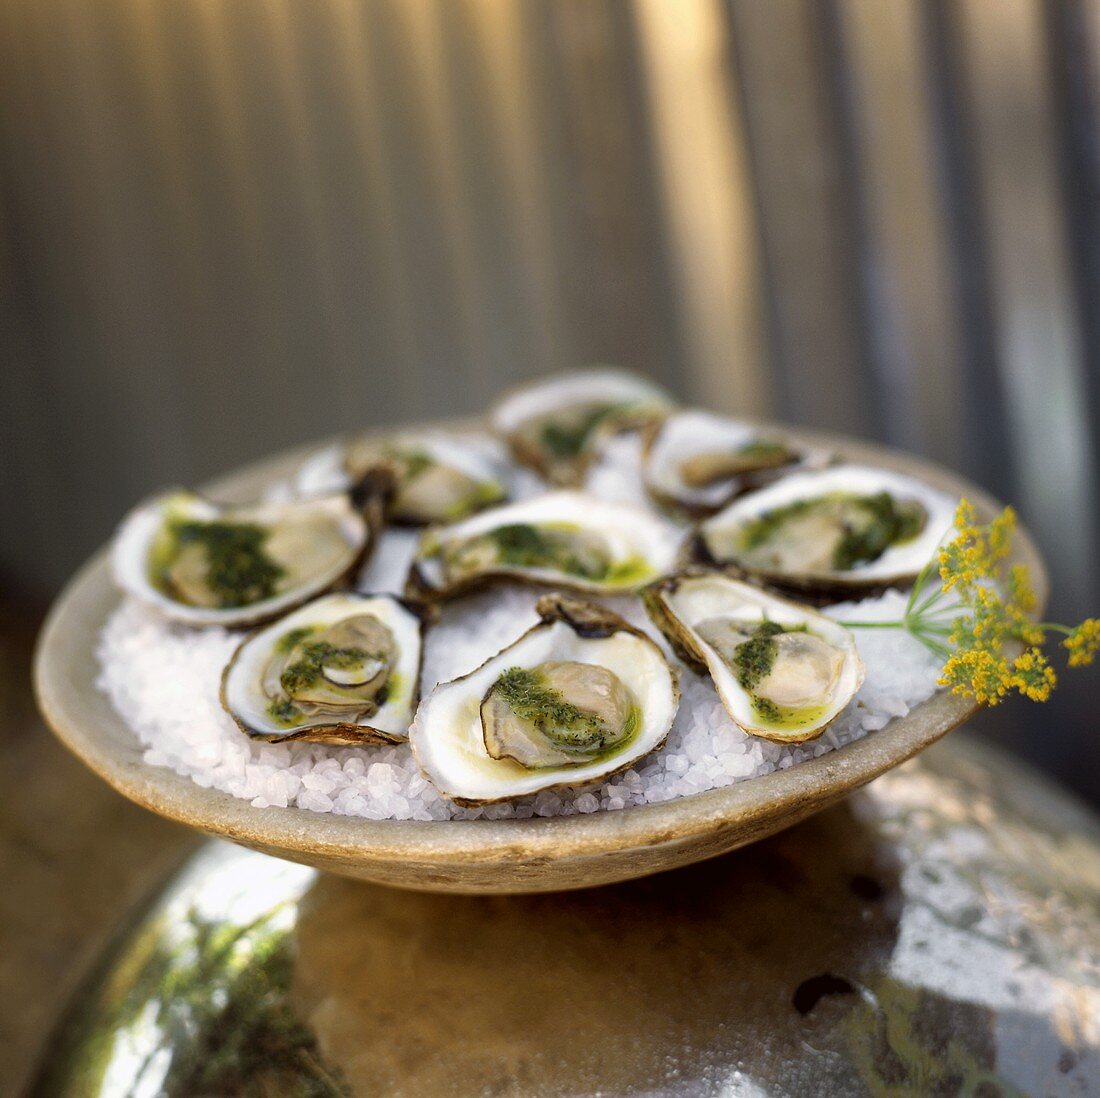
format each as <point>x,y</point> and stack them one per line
<point>163,680</point>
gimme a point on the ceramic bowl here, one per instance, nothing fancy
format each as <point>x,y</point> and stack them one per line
<point>503,856</point>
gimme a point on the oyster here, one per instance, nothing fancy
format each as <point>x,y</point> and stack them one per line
<point>437,477</point>
<point>556,425</point>
<point>575,699</point>
<point>201,563</point>
<point>783,672</point>
<point>844,528</point>
<point>562,539</point>
<point>343,669</point>
<point>695,462</point>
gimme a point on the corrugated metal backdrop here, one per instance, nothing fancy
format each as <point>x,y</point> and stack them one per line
<point>235,224</point>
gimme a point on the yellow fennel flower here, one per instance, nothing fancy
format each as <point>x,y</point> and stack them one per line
<point>1083,642</point>
<point>978,673</point>
<point>989,617</point>
<point>1033,676</point>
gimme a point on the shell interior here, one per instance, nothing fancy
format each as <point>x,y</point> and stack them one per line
<point>449,734</point>
<point>438,477</point>
<point>203,564</point>
<point>562,538</point>
<point>557,424</point>
<point>253,690</point>
<point>699,460</point>
<point>782,671</point>
<point>843,526</point>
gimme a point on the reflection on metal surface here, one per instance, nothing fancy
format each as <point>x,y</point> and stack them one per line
<point>940,933</point>
<point>195,1002</point>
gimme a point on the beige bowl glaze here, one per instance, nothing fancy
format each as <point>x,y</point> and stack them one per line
<point>506,856</point>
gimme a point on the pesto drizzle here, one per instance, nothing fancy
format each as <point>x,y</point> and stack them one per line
<point>525,692</point>
<point>567,441</point>
<point>306,670</point>
<point>413,462</point>
<point>754,659</point>
<point>283,711</point>
<point>525,546</point>
<point>891,522</point>
<point>764,451</point>
<point>886,522</point>
<point>756,656</point>
<point>288,640</point>
<point>239,572</point>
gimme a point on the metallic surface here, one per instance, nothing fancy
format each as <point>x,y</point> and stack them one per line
<point>77,862</point>
<point>938,933</point>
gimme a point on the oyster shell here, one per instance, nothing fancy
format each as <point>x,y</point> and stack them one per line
<point>575,699</point>
<point>342,669</point>
<point>845,528</point>
<point>201,563</point>
<point>695,462</point>
<point>556,425</point>
<point>437,477</point>
<point>783,672</point>
<point>563,539</point>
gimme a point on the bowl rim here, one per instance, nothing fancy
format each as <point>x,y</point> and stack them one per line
<point>65,669</point>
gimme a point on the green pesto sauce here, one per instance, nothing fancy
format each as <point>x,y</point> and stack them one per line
<point>239,572</point>
<point>411,461</point>
<point>430,546</point>
<point>629,572</point>
<point>289,640</point>
<point>304,672</point>
<point>483,494</point>
<point>764,451</point>
<point>522,545</point>
<point>755,657</point>
<point>525,692</point>
<point>890,524</point>
<point>881,522</point>
<point>568,440</point>
<point>762,528</point>
<point>388,689</point>
<point>284,712</point>
<point>785,717</point>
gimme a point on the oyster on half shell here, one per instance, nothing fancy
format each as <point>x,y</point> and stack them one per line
<point>578,697</point>
<point>201,563</point>
<point>783,672</point>
<point>556,425</point>
<point>840,529</point>
<point>561,539</point>
<point>695,462</point>
<point>436,477</point>
<point>342,669</point>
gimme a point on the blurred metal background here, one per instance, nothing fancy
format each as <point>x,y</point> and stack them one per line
<point>233,225</point>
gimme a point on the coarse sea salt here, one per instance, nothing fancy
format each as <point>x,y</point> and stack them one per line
<point>163,679</point>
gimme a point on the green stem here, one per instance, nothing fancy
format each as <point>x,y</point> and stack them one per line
<point>935,647</point>
<point>873,624</point>
<point>919,585</point>
<point>943,629</point>
<point>1048,626</point>
<point>929,602</point>
<point>913,623</point>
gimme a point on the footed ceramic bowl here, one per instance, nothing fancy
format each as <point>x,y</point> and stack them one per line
<point>503,856</point>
